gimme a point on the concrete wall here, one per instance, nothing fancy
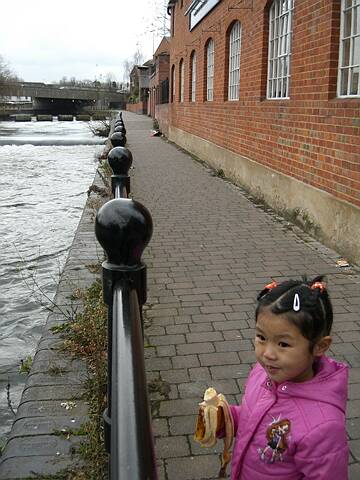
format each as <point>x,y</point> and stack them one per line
<point>332,220</point>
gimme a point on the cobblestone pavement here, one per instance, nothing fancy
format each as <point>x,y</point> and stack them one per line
<point>212,250</point>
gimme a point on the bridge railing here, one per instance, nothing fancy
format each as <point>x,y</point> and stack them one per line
<point>124,227</point>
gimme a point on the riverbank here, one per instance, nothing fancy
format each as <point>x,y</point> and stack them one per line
<point>41,202</point>
<point>52,401</point>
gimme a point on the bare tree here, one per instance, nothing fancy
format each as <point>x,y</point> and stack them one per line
<point>6,74</point>
<point>158,21</point>
<point>110,80</point>
<point>138,58</point>
<point>160,24</point>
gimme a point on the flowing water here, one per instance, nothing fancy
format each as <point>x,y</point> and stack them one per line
<point>45,171</point>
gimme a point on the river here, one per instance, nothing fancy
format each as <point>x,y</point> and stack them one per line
<point>46,169</point>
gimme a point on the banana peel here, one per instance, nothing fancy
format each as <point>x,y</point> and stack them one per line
<point>214,415</point>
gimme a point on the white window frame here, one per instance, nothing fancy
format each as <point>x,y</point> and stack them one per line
<point>279,54</point>
<point>234,61</point>
<point>182,70</point>
<point>193,77</point>
<point>210,50</point>
<point>349,52</point>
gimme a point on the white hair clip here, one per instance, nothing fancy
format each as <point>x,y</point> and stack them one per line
<point>296,305</point>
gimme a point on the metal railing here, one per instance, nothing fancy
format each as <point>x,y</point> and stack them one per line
<point>124,227</point>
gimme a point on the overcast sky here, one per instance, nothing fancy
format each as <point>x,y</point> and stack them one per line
<point>44,40</point>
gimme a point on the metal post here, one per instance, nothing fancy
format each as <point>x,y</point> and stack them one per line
<point>118,139</point>
<point>123,227</point>
<point>120,161</point>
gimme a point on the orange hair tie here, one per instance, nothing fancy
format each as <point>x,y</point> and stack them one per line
<point>320,285</point>
<point>271,285</point>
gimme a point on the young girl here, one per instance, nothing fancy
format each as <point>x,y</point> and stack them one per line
<point>291,423</point>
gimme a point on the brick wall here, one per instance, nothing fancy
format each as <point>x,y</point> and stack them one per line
<point>313,136</point>
<point>140,107</point>
<point>162,117</point>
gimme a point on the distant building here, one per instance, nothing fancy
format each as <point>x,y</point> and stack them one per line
<point>269,92</point>
<point>159,85</point>
<point>139,87</point>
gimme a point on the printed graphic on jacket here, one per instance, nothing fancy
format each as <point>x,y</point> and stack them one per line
<point>276,436</point>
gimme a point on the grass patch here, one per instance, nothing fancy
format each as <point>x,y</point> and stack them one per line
<point>25,365</point>
<point>86,337</point>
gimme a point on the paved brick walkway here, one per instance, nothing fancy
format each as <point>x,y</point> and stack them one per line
<point>212,250</point>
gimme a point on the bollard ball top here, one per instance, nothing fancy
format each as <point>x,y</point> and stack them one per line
<point>120,129</point>
<point>120,160</point>
<point>118,139</point>
<point>121,126</point>
<point>123,228</point>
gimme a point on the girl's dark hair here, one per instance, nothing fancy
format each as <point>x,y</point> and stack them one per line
<point>313,313</point>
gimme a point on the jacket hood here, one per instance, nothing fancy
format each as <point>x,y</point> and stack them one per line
<point>329,384</point>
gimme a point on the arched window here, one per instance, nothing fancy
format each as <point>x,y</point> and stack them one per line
<point>173,84</point>
<point>193,76</point>
<point>234,62</point>
<point>280,28</point>
<point>210,70</point>
<point>181,80</point>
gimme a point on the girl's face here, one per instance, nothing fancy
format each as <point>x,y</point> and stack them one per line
<point>282,350</point>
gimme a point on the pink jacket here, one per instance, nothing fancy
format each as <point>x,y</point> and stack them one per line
<point>292,431</point>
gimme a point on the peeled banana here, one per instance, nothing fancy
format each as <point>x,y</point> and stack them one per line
<point>215,416</point>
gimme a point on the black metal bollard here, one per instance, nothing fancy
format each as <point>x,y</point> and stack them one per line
<point>120,161</point>
<point>118,139</point>
<point>120,128</point>
<point>123,227</point>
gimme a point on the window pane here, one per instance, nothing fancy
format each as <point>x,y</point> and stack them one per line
<point>347,23</point>
<point>356,28</point>
<point>346,53</point>
<point>286,67</point>
<point>356,51</point>
<point>285,93</point>
<point>276,68</point>
<point>344,77</point>
<point>354,81</point>
<point>285,20</point>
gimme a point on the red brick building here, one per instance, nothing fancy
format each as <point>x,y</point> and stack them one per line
<point>158,106</point>
<point>269,92</point>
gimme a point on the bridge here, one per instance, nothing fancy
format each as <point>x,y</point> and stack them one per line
<point>55,99</point>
